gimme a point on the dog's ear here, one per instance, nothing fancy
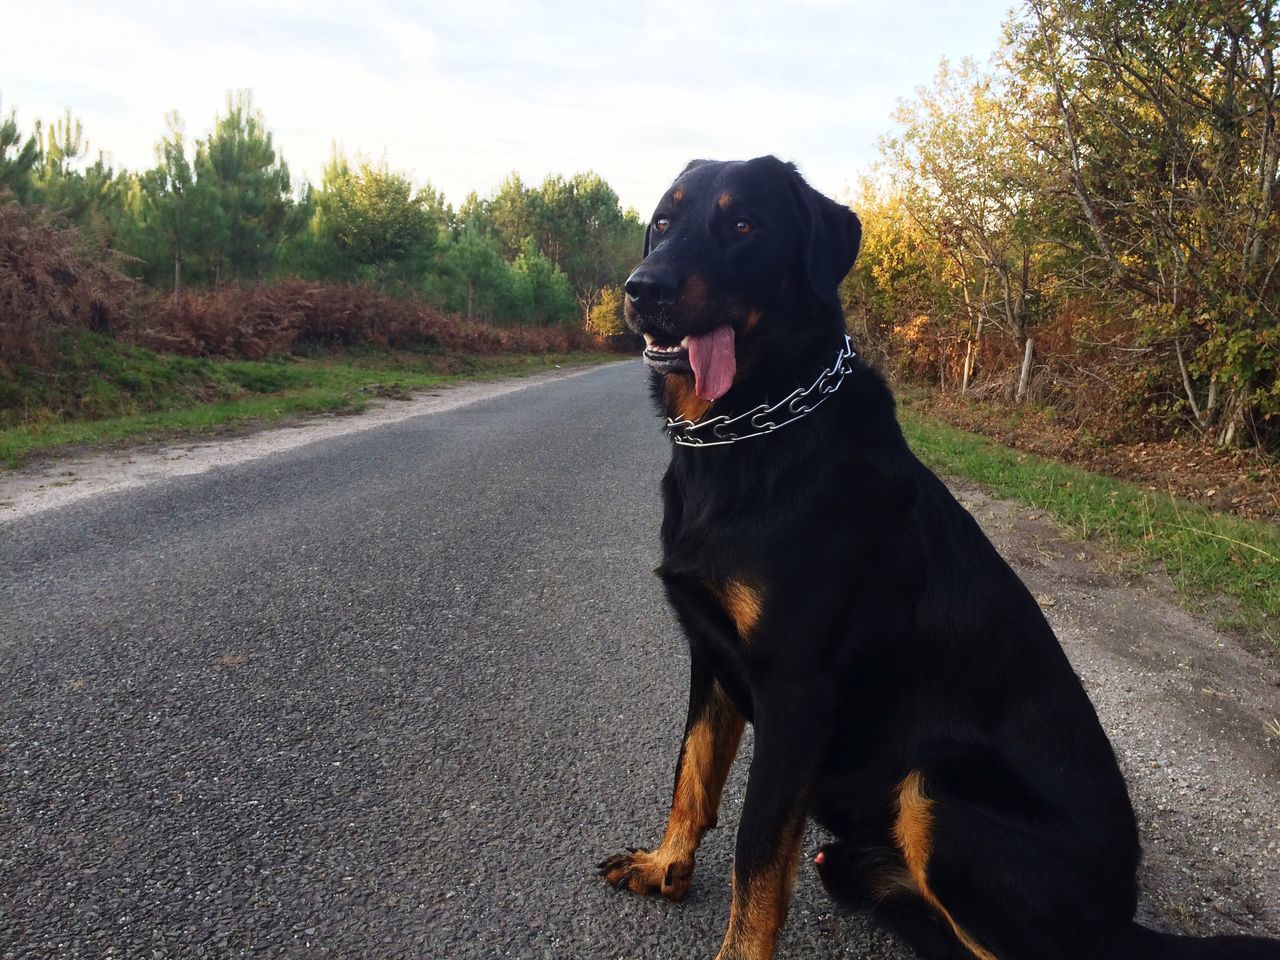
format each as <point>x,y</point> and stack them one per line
<point>832,236</point>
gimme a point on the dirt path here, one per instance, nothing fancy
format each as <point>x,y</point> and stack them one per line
<point>1192,715</point>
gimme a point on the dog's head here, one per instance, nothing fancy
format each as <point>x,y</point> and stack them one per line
<point>742,264</point>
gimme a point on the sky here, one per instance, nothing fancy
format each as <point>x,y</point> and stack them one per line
<point>462,93</point>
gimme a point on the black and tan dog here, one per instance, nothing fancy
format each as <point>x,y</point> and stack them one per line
<point>905,689</point>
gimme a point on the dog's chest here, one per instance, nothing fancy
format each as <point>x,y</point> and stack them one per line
<point>729,570</point>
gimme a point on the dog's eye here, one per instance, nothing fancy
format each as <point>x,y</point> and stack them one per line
<point>661,224</point>
<point>743,226</point>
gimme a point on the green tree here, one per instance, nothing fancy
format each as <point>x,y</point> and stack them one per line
<point>64,144</point>
<point>472,277</point>
<point>579,224</point>
<point>105,202</point>
<point>1159,120</point>
<point>18,157</point>
<point>576,223</point>
<point>378,220</point>
<point>55,179</point>
<point>176,209</point>
<point>252,210</point>
<point>507,215</point>
<point>100,200</point>
<point>543,293</point>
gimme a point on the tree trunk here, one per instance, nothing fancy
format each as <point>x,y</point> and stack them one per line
<point>1025,376</point>
<point>177,276</point>
<point>1231,424</point>
<point>471,300</point>
<point>974,345</point>
<point>1199,418</point>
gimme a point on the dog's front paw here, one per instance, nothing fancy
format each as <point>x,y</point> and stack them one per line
<point>644,871</point>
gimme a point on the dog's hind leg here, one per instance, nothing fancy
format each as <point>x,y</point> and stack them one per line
<point>711,736</point>
<point>865,872</point>
<point>1010,880</point>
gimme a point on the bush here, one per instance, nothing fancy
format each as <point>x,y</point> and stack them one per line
<point>53,279</point>
<point>294,315</point>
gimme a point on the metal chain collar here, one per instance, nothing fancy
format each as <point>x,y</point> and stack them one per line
<point>722,430</point>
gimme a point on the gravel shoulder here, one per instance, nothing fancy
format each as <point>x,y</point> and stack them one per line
<point>1191,713</point>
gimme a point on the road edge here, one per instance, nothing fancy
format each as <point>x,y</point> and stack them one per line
<point>62,481</point>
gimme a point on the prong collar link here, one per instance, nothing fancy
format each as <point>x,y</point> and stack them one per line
<point>766,418</point>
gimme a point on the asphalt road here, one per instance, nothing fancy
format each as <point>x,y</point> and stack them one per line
<point>389,695</point>
<point>393,694</point>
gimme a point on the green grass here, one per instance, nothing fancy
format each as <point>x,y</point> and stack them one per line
<point>1208,555</point>
<point>102,390</point>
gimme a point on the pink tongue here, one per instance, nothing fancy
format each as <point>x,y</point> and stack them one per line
<point>713,361</point>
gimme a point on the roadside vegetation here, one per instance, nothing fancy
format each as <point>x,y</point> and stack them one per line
<point>212,290</point>
<point>1208,555</point>
<point>224,209</point>
<point>1090,222</point>
<point>107,391</point>
<point>1074,249</point>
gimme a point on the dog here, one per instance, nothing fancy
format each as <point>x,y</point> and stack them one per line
<point>905,690</point>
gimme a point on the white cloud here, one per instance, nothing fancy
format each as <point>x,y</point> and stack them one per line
<point>461,95</point>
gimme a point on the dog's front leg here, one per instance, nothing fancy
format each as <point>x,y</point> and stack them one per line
<point>711,735</point>
<point>769,835</point>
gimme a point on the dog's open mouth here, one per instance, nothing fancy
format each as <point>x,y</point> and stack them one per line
<point>658,351</point>
<point>709,355</point>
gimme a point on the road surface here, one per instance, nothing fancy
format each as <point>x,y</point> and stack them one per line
<point>393,693</point>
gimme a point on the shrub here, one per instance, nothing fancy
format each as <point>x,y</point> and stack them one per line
<point>53,279</point>
<point>252,322</point>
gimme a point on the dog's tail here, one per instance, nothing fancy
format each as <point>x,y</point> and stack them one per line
<point>1140,943</point>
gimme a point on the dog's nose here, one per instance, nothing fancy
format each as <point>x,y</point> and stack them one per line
<point>650,287</point>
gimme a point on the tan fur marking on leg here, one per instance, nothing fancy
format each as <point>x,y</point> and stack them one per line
<point>708,754</point>
<point>709,751</point>
<point>759,911</point>
<point>913,833</point>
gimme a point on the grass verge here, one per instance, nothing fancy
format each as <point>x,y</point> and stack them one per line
<point>1208,555</point>
<point>102,390</point>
